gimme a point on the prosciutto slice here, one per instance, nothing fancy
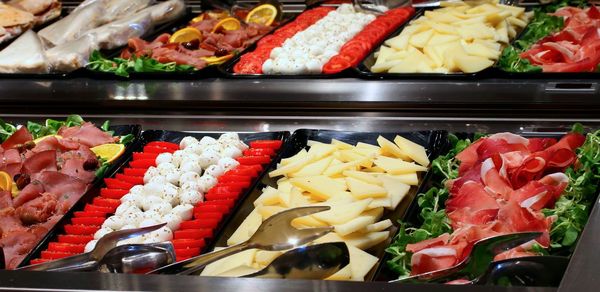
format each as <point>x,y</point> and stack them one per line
<point>41,161</point>
<point>18,137</point>
<point>86,134</point>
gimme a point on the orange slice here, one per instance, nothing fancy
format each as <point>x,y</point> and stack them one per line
<point>198,18</point>
<point>263,14</point>
<point>213,60</point>
<point>187,34</point>
<point>229,23</point>
<point>6,182</point>
<point>40,139</point>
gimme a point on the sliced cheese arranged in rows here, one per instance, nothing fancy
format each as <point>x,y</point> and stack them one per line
<point>460,37</point>
<point>359,182</point>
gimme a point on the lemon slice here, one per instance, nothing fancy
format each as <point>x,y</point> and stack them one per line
<point>6,182</point>
<point>40,139</point>
<point>264,14</point>
<point>213,60</point>
<point>187,34</point>
<point>110,151</point>
<point>198,18</point>
<point>229,23</point>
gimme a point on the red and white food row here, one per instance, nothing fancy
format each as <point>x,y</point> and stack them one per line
<point>190,187</point>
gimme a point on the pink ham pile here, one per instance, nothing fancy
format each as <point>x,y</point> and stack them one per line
<point>576,48</point>
<point>504,181</point>
<point>218,44</point>
<point>59,171</point>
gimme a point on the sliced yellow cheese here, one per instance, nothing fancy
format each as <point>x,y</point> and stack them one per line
<point>415,151</point>
<point>293,166</point>
<point>361,263</point>
<point>378,226</point>
<point>239,271</point>
<point>363,176</point>
<point>313,169</point>
<point>268,211</point>
<point>321,150</point>
<point>343,213</point>
<point>341,145</point>
<point>396,190</point>
<point>366,240</point>
<point>264,258</point>
<point>270,196</point>
<point>244,258</point>
<point>336,169</point>
<point>308,221</point>
<point>391,149</point>
<point>408,178</point>
<point>397,166</point>
<point>361,190</point>
<point>354,225</point>
<point>246,229</point>
<point>320,187</point>
<point>344,274</point>
<point>298,155</point>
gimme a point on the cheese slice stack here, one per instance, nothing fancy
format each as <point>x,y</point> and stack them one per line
<point>359,182</point>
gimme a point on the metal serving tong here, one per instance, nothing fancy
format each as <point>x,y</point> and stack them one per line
<point>275,233</point>
<point>313,262</point>
<point>477,262</point>
<point>90,261</point>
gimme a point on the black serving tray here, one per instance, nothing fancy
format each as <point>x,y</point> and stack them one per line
<point>146,137</point>
<point>432,140</point>
<point>92,191</point>
<point>412,215</point>
<point>364,71</point>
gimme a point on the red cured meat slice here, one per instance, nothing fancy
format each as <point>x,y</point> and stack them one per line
<point>437,241</point>
<point>86,134</point>
<point>52,143</point>
<point>68,188</point>
<point>73,164</point>
<point>570,141</point>
<point>490,147</point>
<point>29,192</point>
<point>495,180</point>
<point>5,200</point>
<point>539,144</point>
<point>433,259</point>
<point>515,218</point>
<point>468,157</point>
<point>465,216</point>
<point>517,252</point>
<point>18,137</point>
<point>471,194</point>
<point>37,210</point>
<point>41,161</point>
<point>531,169</point>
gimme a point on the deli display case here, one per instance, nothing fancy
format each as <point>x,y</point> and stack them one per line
<point>288,137</point>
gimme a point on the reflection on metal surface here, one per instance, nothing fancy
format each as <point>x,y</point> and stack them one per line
<point>134,91</point>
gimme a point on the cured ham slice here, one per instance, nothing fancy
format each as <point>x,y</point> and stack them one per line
<point>5,200</point>
<point>471,194</point>
<point>465,216</point>
<point>86,134</point>
<point>41,161</point>
<point>18,137</point>
<point>440,240</point>
<point>515,218</point>
<point>28,193</point>
<point>494,177</point>
<point>52,143</point>
<point>433,259</point>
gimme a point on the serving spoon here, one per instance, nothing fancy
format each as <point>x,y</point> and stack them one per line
<point>275,233</point>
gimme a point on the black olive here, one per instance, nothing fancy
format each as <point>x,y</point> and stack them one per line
<point>90,164</point>
<point>221,52</point>
<point>20,148</point>
<point>22,180</point>
<point>191,45</point>
<point>29,145</point>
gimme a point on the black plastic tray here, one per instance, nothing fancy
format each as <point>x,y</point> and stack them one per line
<point>227,68</point>
<point>91,192</point>
<point>207,72</point>
<point>364,71</point>
<point>298,141</point>
<point>412,214</point>
<point>146,137</point>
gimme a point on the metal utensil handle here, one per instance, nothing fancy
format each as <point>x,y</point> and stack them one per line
<point>194,264</point>
<point>82,262</point>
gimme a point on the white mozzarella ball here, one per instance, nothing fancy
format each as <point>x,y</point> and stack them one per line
<point>170,193</point>
<point>191,165</point>
<point>173,177</point>
<point>150,173</point>
<point>114,222</point>
<point>163,158</point>
<point>232,152</point>
<point>207,141</point>
<point>186,141</point>
<point>188,177</point>
<point>173,221</point>
<point>267,66</point>
<point>101,232</point>
<point>178,157</point>
<point>314,66</point>
<point>230,136</point>
<point>276,52</point>
<point>152,189</point>
<point>241,145</point>
<point>133,218</point>
<point>90,245</point>
<point>191,197</point>
<point>209,158</point>
<point>215,170</point>
<point>148,222</point>
<point>150,201</point>
<point>165,168</point>
<point>160,235</point>
<point>124,207</point>
<point>159,179</point>
<point>194,149</point>
<point>207,182</point>
<point>137,189</point>
<point>162,208</point>
<point>152,215</point>
<point>184,211</point>
<point>192,186</point>
<point>129,226</point>
<point>213,148</point>
<point>133,199</point>
<point>133,240</point>
<point>228,163</point>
